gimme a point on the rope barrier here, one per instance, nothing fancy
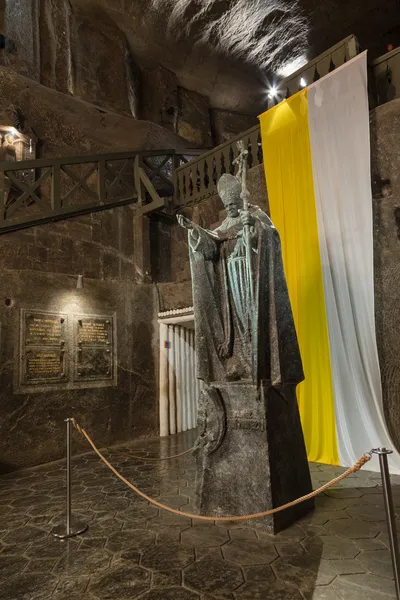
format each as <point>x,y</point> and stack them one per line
<point>147,458</point>
<point>356,467</point>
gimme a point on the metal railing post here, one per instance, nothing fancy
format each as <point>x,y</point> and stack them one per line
<point>390,515</point>
<point>71,527</point>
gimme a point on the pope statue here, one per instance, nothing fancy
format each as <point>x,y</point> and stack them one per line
<point>250,452</point>
<point>243,317</point>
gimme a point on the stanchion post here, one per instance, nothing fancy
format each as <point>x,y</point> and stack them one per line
<point>390,515</point>
<point>71,527</point>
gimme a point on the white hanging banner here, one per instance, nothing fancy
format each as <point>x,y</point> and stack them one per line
<point>340,145</point>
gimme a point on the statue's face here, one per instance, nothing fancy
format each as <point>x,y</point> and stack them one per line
<point>232,205</point>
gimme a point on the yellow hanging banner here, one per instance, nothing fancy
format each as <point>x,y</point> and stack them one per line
<point>288,169</point>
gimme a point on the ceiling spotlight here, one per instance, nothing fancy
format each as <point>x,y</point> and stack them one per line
<point>303,82</point>
<point>273,92</point>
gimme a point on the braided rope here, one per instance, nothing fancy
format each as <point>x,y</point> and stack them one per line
<point>356,467</point>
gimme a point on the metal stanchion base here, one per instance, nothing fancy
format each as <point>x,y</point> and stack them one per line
<point>76,527</point>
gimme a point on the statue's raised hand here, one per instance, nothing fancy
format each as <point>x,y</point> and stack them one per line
<point>247,218</point>
<point>184,222</point>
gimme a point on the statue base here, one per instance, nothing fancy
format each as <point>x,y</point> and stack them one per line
<point>250,454</point>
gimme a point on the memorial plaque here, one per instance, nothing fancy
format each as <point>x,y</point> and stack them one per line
<point>60,351</point>
<point>94,331</point>
<point>95,352</point>
<point>94,363</point>
<point>44,329</point>
<point>44,365</point>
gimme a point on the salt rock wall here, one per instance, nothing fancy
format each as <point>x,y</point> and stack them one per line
<point>38,272</point>
<point>98,59</point>
<point>67,126</point>
<point>121,59</point>
<point>55,19</point>
<point>385,145</point>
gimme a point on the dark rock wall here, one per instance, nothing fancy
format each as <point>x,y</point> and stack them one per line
<point>120,59</point>
<point>98,59</point>
<point>385,142</point>
<point>226,124</point>
<point>21,26</point>
<point>55,45</point>
<point>38,270</point>
<point>194,118</point>
<point>67,126</point>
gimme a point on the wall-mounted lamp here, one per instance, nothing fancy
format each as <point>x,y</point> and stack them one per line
<point>79,283</point>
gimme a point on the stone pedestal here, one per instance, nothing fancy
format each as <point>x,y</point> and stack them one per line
<point>250,454</point>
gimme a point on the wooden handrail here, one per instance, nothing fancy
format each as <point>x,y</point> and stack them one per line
<point>100,182</point>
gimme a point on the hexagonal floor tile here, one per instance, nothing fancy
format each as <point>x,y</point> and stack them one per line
<point>363,587</point>
<point>352,529</point>
<point>250,552</point>
<point>378,562</point>
<point>205,535</point>
<point>27,586</point>
<point>174,593</point>
<point>304,572</point>
<point>28,533</point>
<point>347,566</point>
<point>267,591</point>
<point>121,582</point>
<point>168,556</point>
<point>82,562</point>
<point>135,539</point>
<point>330,547</point>
<point>212,575</point>
<point>11,565</point>
<point>367,513</point>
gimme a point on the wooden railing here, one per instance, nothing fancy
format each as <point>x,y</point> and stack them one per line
<point>198,178</point>
<point>38,191</point>
<point>320,66</point>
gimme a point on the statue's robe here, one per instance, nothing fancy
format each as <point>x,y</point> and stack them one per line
<point>244,324</point>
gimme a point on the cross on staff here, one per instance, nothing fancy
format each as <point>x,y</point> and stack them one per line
<point>241,161</point>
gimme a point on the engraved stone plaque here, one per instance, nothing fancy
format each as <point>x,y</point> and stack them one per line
<point>44,329</point>
<point>43,348</point>
<point>95,351</point>
<point>60,351</point>
<point>44,365</point>
<point>94,363</point>
<point>94,331</point>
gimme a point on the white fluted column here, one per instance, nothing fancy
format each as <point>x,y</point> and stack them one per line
<point>193,379</point>
<point>164,391</point>
<point>178,377</point>
<point>183,378</point>
<point>188,381</point>
<point>172,380</point>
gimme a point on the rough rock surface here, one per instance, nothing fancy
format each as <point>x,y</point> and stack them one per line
<point>67,126</point>
<point>38,271</point>
<point>385,136</point>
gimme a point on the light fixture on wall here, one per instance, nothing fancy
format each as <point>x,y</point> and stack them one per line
<point>79,283</point>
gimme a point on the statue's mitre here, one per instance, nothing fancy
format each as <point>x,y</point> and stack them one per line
<point>228,186</point>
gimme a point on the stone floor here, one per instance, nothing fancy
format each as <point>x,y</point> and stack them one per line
<point>132,550</point>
